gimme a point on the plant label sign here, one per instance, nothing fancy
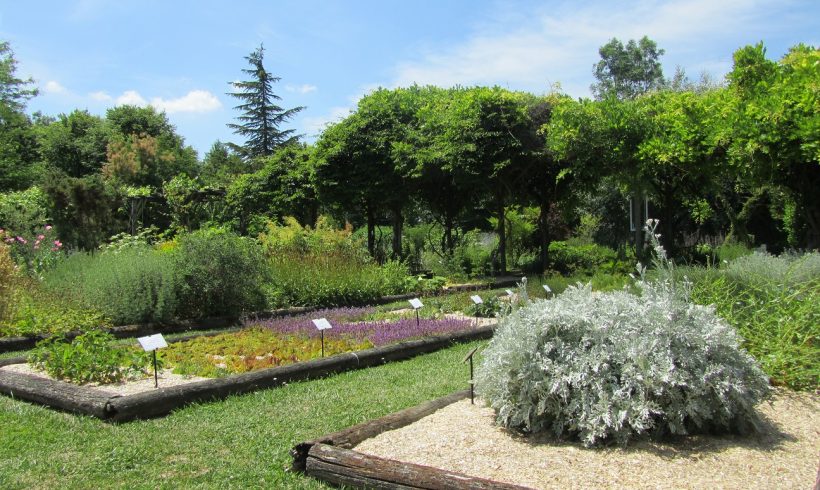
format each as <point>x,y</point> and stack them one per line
<point>416,303</point>
<point>476,299</point>
<point>509,292</point>
<point>152,342</point>
<point>322,324</point>
<point>547,289</point>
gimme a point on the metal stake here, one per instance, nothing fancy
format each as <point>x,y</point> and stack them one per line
<point>156,378</point>
<point>323,342</point>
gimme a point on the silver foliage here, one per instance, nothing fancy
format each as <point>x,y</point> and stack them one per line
<point>608,366</point>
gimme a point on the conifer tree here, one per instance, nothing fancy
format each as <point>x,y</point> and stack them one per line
<point>261,117</point>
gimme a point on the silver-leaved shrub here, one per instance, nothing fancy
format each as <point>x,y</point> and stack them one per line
<point>609,366</point>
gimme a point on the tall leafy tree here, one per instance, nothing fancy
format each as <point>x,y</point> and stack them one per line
<point>261,118</point>
<point>75,143</point>
<point>628,71</point>
<point>774,127</point>
<point>18,146</point>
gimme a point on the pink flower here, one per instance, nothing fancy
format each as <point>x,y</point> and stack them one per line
<point>9,240</point>
<point>48,227</point>
<point>58,243</point>
<point>37,246</point>
<point>21,240</point>
<point>40,237</point>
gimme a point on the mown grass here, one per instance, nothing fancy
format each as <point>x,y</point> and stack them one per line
<point>243,441</point>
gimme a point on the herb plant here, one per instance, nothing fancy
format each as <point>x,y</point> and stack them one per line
<point>606,367</point>
<point>89,358</point>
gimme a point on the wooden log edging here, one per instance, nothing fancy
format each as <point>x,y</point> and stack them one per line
<point>347,467</point>
<point>162,401</point>
<point>332,459</point>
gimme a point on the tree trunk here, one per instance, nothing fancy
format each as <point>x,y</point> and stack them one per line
<point>371,232</point>
<point>448,233</point>
<point>638,221</point>
<point>502,232</point>
<point>544,234</point>
<point>398,225</point>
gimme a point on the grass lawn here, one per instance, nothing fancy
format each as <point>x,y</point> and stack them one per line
<point>243,441</point>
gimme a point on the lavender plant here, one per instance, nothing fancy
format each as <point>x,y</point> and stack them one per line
<point>605,367</point>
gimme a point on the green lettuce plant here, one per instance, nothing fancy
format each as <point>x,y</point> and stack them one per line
<point>604,367</point>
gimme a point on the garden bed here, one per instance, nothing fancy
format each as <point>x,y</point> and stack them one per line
<point>21,343</point>
<point>159,402</point>
<point>453,434</point>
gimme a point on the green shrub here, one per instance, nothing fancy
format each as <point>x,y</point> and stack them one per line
<point>609,366</point>
<point>38,313</point>
<point>133,284</point>
<point>490,308</point>
<point>316,280</point>
<point>9,284</point>
<point>89,358</point>
<point>570,259</point>
<point>220,273</point>
<point>774,302</point>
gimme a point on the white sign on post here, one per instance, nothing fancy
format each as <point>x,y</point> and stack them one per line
<point>152,342</point>
<point>416,303</point>
<point>547,288</point>
<point>476,299</point>
<point>322,324</point>
<point>509,292</point>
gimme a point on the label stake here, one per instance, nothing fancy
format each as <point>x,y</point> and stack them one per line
<point>469,357</point>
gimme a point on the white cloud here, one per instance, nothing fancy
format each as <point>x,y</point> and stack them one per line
<point>312,126</point>
<point>100,96</point>
<point>301,89</point>
<point>193,101</point>
<point>131,97</point>
<point>561,44</point>
<point>54,87</point>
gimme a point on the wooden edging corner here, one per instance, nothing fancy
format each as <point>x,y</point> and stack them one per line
<point>162,401</point>
<point>332,459</point>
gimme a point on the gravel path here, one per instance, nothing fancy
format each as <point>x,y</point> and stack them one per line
<point>463,438</point>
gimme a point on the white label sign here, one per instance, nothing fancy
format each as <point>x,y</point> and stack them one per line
<point>322,324</point>
<point>476,299</point>
<point>416,303</point>
<point>547,288</point>
<point>152,342</point>
<point>509,292</point>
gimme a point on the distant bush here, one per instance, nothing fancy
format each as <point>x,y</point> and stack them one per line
<point>9,284</point>
<point>570,259</point>
<point>220,273</point>
<point>774,302</point>
<point>609,366</point>
<point>133,284</point>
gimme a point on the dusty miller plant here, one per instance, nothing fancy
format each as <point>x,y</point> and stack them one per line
<point>606,367</point>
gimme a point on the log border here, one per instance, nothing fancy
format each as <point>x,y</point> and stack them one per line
<point>331,457</point>
<point>11,344</point>
<point>162,401</point>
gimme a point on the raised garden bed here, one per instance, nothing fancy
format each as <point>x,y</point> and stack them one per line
<point>161,401</point>
<point>411,447</point>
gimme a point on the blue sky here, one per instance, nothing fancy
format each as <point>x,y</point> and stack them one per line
<point>181,55</point>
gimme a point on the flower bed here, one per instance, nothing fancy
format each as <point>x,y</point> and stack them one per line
<point>282,341</point>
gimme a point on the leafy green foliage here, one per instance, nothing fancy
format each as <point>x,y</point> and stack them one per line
<point>9,284</point>
<point>610,366</point>
<point>89,358</point>
<point>628,71</point>
<point>248,350</point>
<point>490,308</point>
<point>129,285</point>
<point>220,274</point>
<point>774,302</point>
<point>571,259</point>
<point>39,313</point>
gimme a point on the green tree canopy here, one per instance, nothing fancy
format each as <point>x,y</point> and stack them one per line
<point>628,71</point>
